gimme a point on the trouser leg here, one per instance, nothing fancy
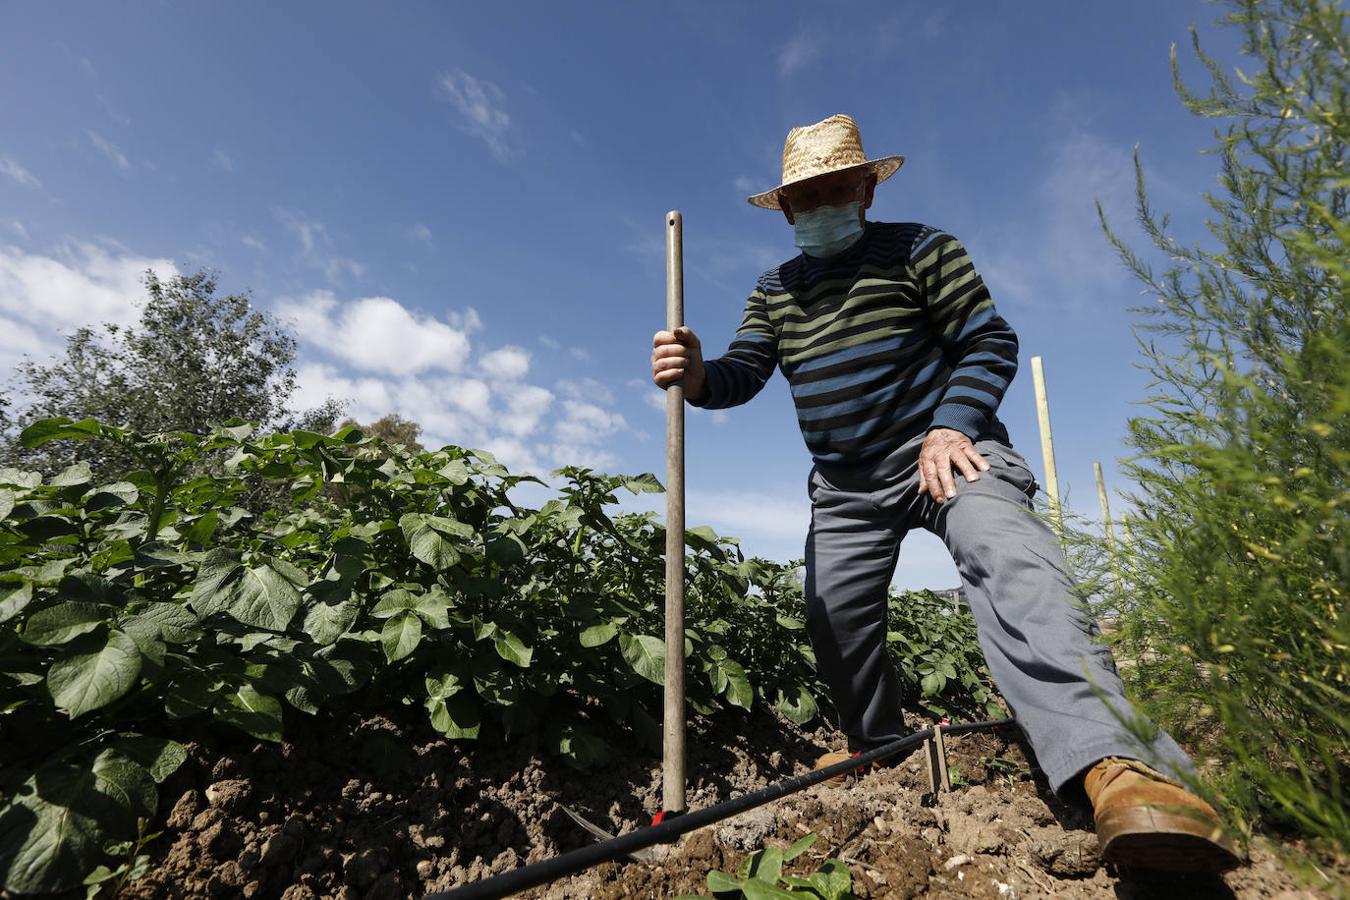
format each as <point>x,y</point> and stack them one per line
<point>850,558</point>
<point>1034,631</point>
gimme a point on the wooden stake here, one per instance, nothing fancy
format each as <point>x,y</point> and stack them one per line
<point>672,772</point>
<point>1047,444</point>
<point>1106,522</point>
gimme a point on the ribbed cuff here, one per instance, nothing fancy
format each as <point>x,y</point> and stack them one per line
<point>710,382</point>
<point>966,419</point>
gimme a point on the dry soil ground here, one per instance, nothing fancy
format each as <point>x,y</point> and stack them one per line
<point>381,807</point>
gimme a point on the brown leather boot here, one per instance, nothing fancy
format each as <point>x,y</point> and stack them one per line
<point>1148,820</point>
<point>838,756</point>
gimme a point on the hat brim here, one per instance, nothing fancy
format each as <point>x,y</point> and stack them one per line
<point>885,167</point>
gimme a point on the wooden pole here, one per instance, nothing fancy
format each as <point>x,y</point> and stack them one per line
<point>1106,521</point>
<point>672,772</point>
<point>1047,443</point>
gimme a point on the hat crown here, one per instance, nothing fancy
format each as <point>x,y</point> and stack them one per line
<point>829,144</point>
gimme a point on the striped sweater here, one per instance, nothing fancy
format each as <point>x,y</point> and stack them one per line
<point>885,340</point>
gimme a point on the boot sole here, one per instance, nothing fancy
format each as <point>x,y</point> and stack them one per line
<point>1153,838</point>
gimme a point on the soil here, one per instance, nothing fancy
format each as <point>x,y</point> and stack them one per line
<point>386,808</point>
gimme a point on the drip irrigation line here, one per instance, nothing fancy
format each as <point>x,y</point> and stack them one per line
<point>676,824</point>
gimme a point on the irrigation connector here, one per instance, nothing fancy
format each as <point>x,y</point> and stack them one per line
<point>668,825</point>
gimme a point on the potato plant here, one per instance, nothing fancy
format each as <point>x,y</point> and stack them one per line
<point>134,608</point>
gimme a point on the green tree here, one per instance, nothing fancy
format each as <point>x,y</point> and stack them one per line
<point>393,429</point>
<point>193,359</point>
<point>1233,585</point>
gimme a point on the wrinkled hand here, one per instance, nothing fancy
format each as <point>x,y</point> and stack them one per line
<point>943,449</point>
<point>676,355</point>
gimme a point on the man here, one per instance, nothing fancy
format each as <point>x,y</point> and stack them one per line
<point>897,362</point>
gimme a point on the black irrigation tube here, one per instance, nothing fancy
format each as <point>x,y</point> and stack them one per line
<point>552,869</point>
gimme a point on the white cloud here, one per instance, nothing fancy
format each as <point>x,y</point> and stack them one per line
<point>451,409</point>
<point>743,184</point>
<point>587,389</point>
<point>10,167</point>
<point>88,286</point>
<point>420,233</point>
<point>1060,251</point>
<point>797,53</point>
<point>109,149</point>
<point>254,243</point>
<point>550,343</point>
<point>581,434</point>
<point>223,161</point>
<point>43,298</point>
<point>19,228</point>
<point>508,363</point>
<point>526,405</point>
<point>316,247</point>
<point>377,334</point>
<point>933,24</point>
<point>479,103</point>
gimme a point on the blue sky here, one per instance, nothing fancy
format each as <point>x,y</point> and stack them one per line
<point>459,207</point>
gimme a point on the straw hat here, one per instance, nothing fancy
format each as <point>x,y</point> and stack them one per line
<point>830,145</point>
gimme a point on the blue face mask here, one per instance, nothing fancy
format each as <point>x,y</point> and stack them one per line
<point>826,230</point>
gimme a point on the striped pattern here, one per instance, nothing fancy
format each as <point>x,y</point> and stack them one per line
<point>893,336</point>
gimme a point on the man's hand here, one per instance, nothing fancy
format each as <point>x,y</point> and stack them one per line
<point>677,355</point>
<point>943,449</point>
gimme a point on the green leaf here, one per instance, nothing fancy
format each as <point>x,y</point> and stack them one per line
<point>213,590</point>
<point>394,602</point>
<point>646,655</point>
<point>719,881</point>
<point>73,476</point>
<point>799,709</point>
<point>434,608</point>
<point>457,717</point>
<point>739,692</point>
<point>62,623</point>
<point>6,503</point>
<point>45,430</point>
<point>55,826</point>
<point>94,677</point>
<point>930,684</point>
<point>161,757</point>
<point>121,493</point>
<point>597,635</point>
<point>173,622</point>
<point>799,847</point>
<point>264,598</point>
<point>443,684</point>
<point>455,471</point>
<point>13,598</point>
<point>334,611</point>
<point>646,483</point>
<point>506,550</point>
<point>401,635</point>
<point>260,596</point>
<point>833,880</point>
<point>770,864</point>
<point>765,890</point>
<point>579,747</point>
<point>253,712</point>
<point>512,649</point>
<point>20,478</point>
<point>429,538</point>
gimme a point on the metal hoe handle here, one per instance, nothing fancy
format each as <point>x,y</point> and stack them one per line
<point>672,772</point>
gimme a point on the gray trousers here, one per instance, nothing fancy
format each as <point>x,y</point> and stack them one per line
<point>1032,629</point>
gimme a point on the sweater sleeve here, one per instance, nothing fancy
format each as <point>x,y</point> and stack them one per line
<point>978,341</point>
<point>739,374</point>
